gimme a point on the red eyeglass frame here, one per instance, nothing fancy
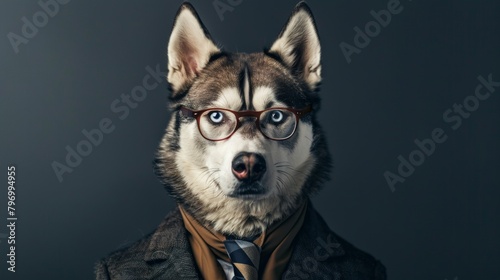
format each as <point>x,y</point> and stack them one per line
<point>299,113</point>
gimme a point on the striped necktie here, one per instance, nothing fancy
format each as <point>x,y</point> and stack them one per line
<point>245,256</point>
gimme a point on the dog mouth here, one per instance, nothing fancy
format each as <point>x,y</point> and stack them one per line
<point>248,190</point>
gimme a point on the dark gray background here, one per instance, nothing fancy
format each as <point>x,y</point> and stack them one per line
<point>441,223</point>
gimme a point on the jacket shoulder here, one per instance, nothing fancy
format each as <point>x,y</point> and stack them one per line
<point>357,261</point>
<point>154,256</point>
<point>127,259</point>
<point>331,256</point>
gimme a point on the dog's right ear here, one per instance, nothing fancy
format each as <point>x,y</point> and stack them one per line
<point>189,48</point>
<point>298,46</point>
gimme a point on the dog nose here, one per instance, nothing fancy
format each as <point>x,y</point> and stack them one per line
<point>248,166</point>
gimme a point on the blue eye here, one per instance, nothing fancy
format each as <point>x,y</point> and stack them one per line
<point>216,117</point>
<point>276,117</point>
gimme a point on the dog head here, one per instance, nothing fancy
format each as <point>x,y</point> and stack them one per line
<point>243,148</point>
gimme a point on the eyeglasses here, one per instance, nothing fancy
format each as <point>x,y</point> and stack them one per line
<point>218,124</point>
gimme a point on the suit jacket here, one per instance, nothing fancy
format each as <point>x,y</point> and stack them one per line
<point>166,254</point>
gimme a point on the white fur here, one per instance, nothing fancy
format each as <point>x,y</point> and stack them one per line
<point>229,98</point>
<point>262,96</point>
<point>210,178</point>
<point>246,88</point>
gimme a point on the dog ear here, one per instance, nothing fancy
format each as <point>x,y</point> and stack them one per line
<point>298,46</point>
<point>189,49</point>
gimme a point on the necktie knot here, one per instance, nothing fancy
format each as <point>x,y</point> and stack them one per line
<point>245,257</point>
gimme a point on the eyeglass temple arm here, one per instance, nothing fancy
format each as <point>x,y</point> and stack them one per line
<point>304,111</point>
<point>188,113</point>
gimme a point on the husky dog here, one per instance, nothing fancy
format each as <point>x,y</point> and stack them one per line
<point>242,152</point>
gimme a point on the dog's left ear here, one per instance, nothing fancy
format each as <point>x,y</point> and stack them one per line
<point>298,46</point>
